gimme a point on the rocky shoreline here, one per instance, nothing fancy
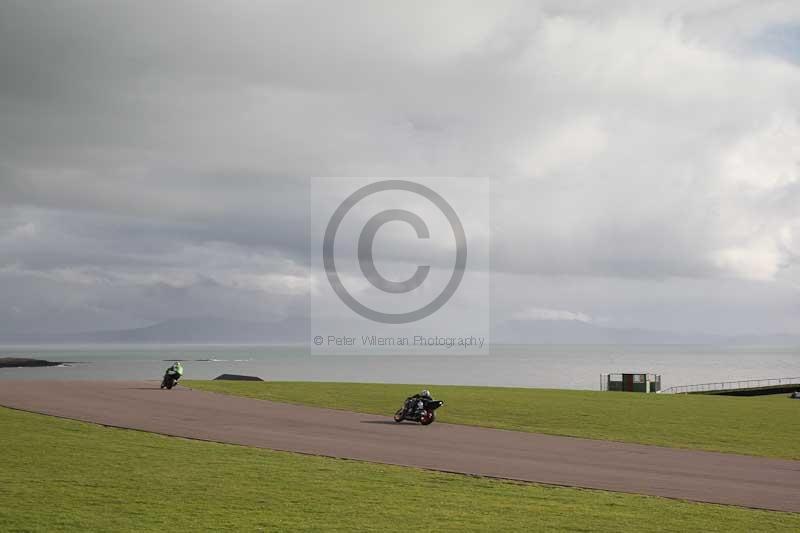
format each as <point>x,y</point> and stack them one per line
<point>20,362</point>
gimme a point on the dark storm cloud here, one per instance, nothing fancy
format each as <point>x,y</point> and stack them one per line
<point>154,157</point>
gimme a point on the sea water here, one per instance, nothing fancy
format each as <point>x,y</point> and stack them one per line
<point>571,367</point>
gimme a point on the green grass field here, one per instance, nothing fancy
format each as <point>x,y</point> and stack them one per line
<point>766,425</point>
<point>58,475</point>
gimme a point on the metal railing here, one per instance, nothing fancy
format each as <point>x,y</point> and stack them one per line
<point>731,385</point>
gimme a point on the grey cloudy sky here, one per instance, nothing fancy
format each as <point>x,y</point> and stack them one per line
<point>645,157</point>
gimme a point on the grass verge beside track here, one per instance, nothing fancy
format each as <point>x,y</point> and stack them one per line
<point>58,475</point>
<point>765,425</point>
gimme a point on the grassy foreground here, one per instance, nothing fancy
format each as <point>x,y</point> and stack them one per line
<point>60,475</point>
<point>766,425</point>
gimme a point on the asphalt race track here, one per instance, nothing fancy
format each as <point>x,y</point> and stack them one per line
<point>686,474</point>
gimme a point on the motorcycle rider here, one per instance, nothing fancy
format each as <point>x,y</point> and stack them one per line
<point>176,371</point>
<point>417,402</point>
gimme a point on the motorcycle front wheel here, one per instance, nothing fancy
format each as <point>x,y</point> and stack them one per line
<point>426,418</point>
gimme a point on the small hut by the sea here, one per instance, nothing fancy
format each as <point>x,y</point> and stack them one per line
<point>630,382</point>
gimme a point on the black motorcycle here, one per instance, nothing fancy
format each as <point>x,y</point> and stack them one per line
<point>418,410</point>
<point>170,380</point>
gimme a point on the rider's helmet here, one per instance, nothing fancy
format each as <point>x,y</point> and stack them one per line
<point>425,393</point>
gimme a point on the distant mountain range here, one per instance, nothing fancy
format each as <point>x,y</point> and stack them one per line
<point>578,332</point>
<point>214,330</point>
<point>197,330</point>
